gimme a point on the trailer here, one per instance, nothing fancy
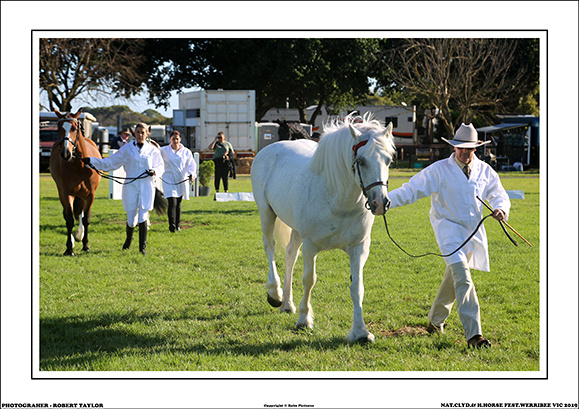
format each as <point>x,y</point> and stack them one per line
<point>268,133</point>
<point>160,134</point>
<point>402,117</point>
<point>514,140</point>
<point>202,114</point>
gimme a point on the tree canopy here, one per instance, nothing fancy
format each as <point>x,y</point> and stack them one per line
<point>466,79</point>
<point>301,72</point>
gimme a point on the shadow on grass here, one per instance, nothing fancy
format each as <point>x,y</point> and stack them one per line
<point>79,343</point>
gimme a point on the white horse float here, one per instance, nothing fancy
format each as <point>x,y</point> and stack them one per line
<point>323,192</point>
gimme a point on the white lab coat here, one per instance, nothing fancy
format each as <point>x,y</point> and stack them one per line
<point>455,211</point>
<point>178,166</point>
<point>141,192</point>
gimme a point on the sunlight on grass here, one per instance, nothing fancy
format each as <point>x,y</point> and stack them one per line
<point>197,301</point>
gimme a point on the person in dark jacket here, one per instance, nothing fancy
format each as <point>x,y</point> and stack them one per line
<point>222,153</point>
<point>121,140</point>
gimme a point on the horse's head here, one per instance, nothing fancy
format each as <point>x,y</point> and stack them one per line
<point>69,132</point>
<point>373,151</point>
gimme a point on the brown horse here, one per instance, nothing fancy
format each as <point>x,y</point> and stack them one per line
<point>75,181</point>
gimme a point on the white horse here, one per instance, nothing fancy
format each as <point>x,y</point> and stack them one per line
<point>323,193</point>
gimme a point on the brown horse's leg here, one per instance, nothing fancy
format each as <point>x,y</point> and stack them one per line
<point>86,221</point>
<point>69,219</point>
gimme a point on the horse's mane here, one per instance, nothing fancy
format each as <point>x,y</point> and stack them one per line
<point>333,157</point>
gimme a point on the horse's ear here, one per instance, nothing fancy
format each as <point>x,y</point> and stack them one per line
<point>58,114</point>
<point>132,131</point>
<point>78,113</point>
<point>149,129</point>
<point>388,132</point>
<point>354,132</point>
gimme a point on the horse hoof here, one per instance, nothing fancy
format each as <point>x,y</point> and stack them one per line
<point>86,249</point>
<point>303,327</point>
<point>365,340</point>
<point>68,253</point>
<point>273,302</point>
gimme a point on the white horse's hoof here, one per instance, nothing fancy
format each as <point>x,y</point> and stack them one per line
<point>273,302</point>
<point>363,339</point>
<point>366,340</point>
<point>305,322</point>
<point>288,307</point>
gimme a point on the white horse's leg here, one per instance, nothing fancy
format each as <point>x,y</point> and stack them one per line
<point>274,293</point>
<point>306,318</point>
<point>291,256</point>
<point>358,256</point>
<point>80,232</point>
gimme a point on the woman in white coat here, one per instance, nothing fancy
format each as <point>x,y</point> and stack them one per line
<point>141,159</point>
<point>179,166</point>
<point>453,184</point>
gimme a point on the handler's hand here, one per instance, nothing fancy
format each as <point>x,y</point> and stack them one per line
<point>86,161</point>
<point>499,214</point>
<point>150,172</point>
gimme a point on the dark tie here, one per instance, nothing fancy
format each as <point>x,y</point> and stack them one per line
<point>466,171</point>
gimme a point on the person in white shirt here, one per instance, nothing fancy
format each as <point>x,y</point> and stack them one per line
<point>179,167</point>
<point>141,160</point>
<point>453,185</point>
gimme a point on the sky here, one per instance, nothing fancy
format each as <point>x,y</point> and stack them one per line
<point>137,103</point>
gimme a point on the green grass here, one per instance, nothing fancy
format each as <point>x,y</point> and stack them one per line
<point>197,301</point>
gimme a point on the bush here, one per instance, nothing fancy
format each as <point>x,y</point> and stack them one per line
<point>206,172</point>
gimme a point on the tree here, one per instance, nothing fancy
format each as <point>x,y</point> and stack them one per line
<point>460,77</point>
<point>70,67</point>
<point>302,72</point>
<point>108,116</point>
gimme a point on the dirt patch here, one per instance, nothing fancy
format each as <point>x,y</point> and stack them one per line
<point>406,331</point>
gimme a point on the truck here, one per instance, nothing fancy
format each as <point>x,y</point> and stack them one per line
<point>202,114</point>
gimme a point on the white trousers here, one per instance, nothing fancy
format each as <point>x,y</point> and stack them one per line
<point>140,214</point>
<point>457,285</point>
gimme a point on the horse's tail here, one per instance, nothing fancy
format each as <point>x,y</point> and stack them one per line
<point>161,203</point>
<point>282,234</point>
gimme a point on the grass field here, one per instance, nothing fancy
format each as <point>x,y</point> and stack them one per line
<point>197,301</point>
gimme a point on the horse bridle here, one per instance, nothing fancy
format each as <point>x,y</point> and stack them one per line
<point>66,138</point>
<point>356,166</point>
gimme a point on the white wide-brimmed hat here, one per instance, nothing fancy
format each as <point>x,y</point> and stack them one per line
<point>466,137</point>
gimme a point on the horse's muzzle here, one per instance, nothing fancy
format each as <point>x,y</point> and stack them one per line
<point>379,204</point>
<point>66,155</point>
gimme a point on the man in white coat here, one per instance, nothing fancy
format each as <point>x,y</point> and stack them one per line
<point>140,159</point>
<point>453,184</point>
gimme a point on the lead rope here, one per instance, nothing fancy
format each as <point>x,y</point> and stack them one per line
<point>365,189</point>
<point>435,254</point>
<point>118,179</point>
<point>174,184</point>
